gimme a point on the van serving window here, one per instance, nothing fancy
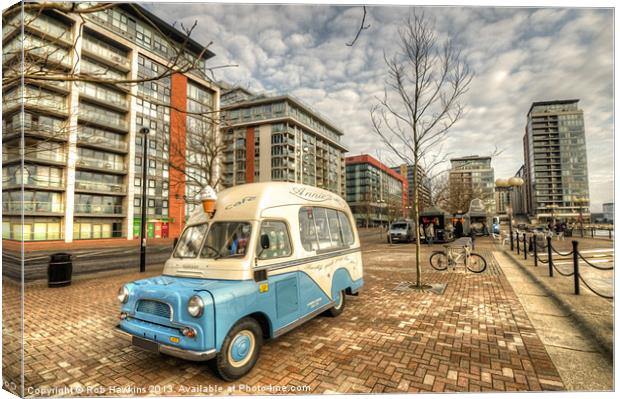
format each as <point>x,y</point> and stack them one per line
<point>324,229</point>
<point>307,229</point>
<point>347,230</point>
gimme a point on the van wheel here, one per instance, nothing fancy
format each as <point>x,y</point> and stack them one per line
<point>339,307</point>
<point>240,350</point>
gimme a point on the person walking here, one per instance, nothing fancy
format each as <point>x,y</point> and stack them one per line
<point>421,229</point>
<point>485,229</point>
<point>458,229</point>
<point>560,229</point>
<point>472,237</point>
<point>430,233</point>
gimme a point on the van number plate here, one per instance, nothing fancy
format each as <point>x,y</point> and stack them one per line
<point>145,344</point>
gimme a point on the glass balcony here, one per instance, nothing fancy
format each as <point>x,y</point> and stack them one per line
<point>99,186</point>
<point>34,155</point>
<point>101,164</point>
<point>102,141</point>
<point>105,51</point>
<point>34,181</point>
<point>102,118</point>
<point>99,209</point>
<point>32,207</point>
<point>100,94</point>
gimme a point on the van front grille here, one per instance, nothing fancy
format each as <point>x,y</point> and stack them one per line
<point>155,308</point>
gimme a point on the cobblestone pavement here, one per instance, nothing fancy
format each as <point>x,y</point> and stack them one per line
<point>475,336</point>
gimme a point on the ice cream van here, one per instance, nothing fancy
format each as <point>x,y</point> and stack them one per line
<point>256,261</point>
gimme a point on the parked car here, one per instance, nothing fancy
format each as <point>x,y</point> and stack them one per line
<point>272,256</point>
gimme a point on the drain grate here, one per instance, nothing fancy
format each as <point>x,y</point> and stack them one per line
<point>437,288</point>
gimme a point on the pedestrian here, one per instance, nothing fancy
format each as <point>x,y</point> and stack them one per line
<point>430,233</point>
<point>561,229</point>
<point>421,229</point>
<point>458,229</point>
<point>485,229</point>
<point>472,236</point>
<point>449,232</point>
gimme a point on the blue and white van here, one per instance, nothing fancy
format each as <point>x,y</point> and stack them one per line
<point>273,256</point>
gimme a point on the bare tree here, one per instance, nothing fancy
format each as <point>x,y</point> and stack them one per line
<point>361,28</point>
<point>422,100</point>
<point>198,159</point>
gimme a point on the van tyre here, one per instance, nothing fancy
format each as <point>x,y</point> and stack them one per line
<point>340,303</point>
<point>240,350</point>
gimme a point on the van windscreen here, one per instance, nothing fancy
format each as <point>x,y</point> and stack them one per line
<point>399,226</point>
<point>227,240</point>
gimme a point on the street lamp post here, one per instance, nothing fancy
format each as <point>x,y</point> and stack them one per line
<point>380,214</point>
<point>508,185</point>
<point>145,132</point>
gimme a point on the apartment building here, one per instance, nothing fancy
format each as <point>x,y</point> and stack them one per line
<point>279,138</point>
<point>472,177</point>
<point>424,185</point>
<point>82,155</point>
<point>556,166</point>
<point>375,193</point>
<point>518,195</point>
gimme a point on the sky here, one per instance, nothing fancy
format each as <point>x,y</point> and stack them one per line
<point>519,55</point>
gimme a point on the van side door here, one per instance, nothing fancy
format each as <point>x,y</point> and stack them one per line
<point>282,276</point>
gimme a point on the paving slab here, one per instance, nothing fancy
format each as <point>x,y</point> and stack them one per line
<point>476,336</point>
<point>574,352</point>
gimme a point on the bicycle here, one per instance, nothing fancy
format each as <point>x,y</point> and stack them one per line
<point>440,260</point>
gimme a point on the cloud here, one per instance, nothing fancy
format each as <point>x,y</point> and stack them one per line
<point>520,55</point>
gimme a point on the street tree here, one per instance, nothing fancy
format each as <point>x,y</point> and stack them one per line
<point>197,160</point>
<point>425,84</point>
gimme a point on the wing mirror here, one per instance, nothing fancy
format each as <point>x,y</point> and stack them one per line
<point>264,241</point>
<point>264,244</point>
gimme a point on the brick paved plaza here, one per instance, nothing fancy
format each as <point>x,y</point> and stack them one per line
<point>475,336</point>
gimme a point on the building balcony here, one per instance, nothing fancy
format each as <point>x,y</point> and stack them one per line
<point>34,156</point>
<point>32,207</point>
<point>13,130</point>
<point>101,54</point>
<point>112,102</point>
<point>33,182</point>
<point>98,187</point>
<point>98,210</point>
<point>102,121</point>
<point>101,142</point>
<point>101,165</point>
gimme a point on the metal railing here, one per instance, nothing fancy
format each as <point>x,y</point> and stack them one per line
<point>532,243</point>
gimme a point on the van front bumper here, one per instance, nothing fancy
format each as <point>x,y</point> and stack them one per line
<point>156,347</point>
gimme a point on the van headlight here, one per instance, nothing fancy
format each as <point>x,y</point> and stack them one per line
<point>123,294</point>
<point>195,306</point>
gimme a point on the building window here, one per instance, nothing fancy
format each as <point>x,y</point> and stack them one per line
<point>137,182</point>
<point>151,183</point>
<point>136,201</point>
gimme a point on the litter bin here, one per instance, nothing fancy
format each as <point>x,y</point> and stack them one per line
<point>59,270</point>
